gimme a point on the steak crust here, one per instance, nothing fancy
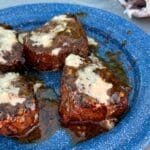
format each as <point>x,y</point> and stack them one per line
<point>61,36</point>
<point>77,107</point>
<point>18,119</point>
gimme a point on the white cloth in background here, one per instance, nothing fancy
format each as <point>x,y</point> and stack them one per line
<point>136,8</point>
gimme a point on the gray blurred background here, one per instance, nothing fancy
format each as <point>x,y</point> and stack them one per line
<point>108,5</point>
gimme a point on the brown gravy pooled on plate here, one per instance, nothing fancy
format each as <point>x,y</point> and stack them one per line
<point>48,117</point>
<point>116,67</point>
<point>49,121</point>
<point>80,133</point>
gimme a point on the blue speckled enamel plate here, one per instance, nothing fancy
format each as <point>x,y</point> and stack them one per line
<point>133,131</point>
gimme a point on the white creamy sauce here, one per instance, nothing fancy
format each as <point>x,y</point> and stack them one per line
<point>56,51</point>
<point>61,18</point>
<point>108,123</point>
<point>96,61</point>
<point>8,92</point>
<point>21,36</point>
<point>46,39</point>
<point>74,61</point>
<point>42,39</point>
<point>7,41</point>
<point>65,44</point>
<point>37,86</point>
<point>92,41</point>
<point>90,83</point>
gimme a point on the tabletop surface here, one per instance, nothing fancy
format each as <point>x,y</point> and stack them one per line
<point>108,5</point>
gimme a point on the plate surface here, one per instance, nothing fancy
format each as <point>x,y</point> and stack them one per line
<point>113,33</point>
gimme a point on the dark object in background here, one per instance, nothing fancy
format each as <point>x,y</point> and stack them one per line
<point>136,8</point>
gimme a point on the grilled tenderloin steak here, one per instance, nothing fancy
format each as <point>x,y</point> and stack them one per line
<point>11,51</point>
<point>46,47</point>
<point>18,108</point>
<point>90,93</point>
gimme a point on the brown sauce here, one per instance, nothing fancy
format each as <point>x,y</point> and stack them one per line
<point>49,121</point>
<point>81,14</point>
<point>112,63</point>
<point>48,117</point>
<point>129,32</point>
<point>116,67</point>
<point>80,133</point>
<point>124,43</point>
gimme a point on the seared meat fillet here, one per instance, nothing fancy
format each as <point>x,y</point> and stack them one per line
<point>11,51</point>
<point>90,93</point>
<point>46,47</point>
<point>18,108</point>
